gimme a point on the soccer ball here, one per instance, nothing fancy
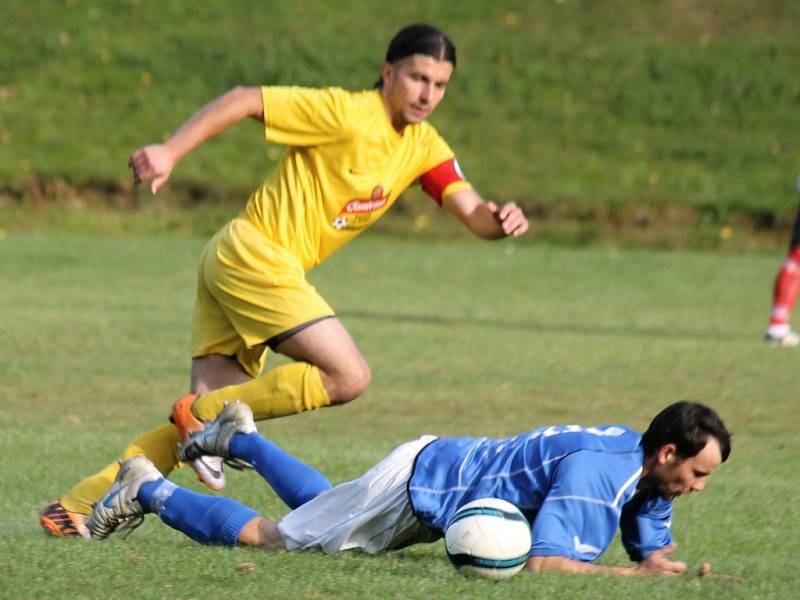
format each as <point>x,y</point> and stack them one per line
<point>489,538</point>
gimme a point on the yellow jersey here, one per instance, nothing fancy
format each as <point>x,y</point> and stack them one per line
<point>344,167</point>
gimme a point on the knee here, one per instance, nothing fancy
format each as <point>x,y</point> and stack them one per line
<point>351,383</point>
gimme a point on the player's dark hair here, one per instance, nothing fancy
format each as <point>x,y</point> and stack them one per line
<point>688,425</point>
<point>419,39</point>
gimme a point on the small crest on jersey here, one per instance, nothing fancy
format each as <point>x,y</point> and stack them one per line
<point>377,200</point>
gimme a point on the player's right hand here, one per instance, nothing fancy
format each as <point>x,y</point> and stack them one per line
<point>658,563</point>
<point>154,162</point>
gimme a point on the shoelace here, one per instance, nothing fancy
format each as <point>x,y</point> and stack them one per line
<point>189,451</point>
<point>127,526</point>
<point>237,463</point>
<point>234,463</point>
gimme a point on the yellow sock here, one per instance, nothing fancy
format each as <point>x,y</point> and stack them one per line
<point>159,445</point>
<point>285,390</point>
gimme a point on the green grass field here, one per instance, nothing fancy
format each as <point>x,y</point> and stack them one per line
<point>463,337</point>
<point>636,123</point>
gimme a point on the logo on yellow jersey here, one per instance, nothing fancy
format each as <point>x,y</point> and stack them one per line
<point>357,213</point>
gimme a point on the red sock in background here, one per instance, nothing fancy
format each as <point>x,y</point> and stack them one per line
<point>786,287</point>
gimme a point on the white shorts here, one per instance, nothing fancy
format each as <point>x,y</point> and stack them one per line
<point>371,513</point>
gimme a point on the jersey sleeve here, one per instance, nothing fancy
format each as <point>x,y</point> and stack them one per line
<point>576,519</point>
<point>297,116</point>
<point>441,174</point>
<point>645,525</point>
<point>444,179</point>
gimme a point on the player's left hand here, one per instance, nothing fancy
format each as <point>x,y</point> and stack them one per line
<point>658,563</point>
<point>510,218</point>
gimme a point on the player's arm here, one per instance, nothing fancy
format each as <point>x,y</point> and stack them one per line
<point>644,525</point>
<point>577,522</point>
<point>486,219</point>
<point>645,533</point>
<point>562,564</point>
<point>657,563</point>
<point>155,162</point>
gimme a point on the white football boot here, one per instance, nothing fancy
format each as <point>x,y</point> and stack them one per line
<point>789,339</point>
<point>120,508</point>
<point>208,468</point>
<point>215,438</point>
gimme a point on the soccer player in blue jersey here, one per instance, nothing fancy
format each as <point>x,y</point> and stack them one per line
<point>576,485</point>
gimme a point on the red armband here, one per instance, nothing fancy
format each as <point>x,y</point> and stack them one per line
<point>435,181</point>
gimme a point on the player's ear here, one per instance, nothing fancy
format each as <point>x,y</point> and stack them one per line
<point>387,71</point>
<point>668,453</point>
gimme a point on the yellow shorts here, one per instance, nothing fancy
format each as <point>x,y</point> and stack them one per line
<point>250,292</point>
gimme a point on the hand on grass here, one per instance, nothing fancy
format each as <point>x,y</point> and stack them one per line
<point>658,563</point>
<point>152,162</point>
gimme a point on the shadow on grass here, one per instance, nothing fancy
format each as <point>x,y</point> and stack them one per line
<point>615,331</point>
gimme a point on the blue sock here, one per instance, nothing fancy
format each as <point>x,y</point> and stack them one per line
<point>295,482</point>
<point>153,494</point>
<point>205,519</point>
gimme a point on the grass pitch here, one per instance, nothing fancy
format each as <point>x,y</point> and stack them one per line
<point>463,337</point>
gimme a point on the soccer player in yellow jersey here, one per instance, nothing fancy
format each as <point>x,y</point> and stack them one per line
<point>350,155</point>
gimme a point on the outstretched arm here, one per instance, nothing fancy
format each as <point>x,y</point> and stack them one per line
<point>657,563</point>
<point>155,162</point>
<point>562,564</point>
<point>486,219</point>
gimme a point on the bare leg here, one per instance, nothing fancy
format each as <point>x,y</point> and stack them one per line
<point>329,369</point>
<point>260,531</point>
<point>327,344</point>
<point>215,371</point>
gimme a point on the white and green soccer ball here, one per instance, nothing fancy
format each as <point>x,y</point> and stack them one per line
<point>488,538</point>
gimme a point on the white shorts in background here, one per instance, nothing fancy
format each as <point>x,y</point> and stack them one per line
<point>372,512</point>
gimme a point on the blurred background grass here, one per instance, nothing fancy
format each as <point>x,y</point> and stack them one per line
<point>624,114</point>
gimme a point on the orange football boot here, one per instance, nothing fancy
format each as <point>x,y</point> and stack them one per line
<point>208,468</point>
<point>59,522</point>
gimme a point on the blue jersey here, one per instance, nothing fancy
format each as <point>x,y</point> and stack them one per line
<point>576,485</point>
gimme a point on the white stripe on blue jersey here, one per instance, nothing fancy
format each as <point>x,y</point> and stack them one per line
<point>571,482</point>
